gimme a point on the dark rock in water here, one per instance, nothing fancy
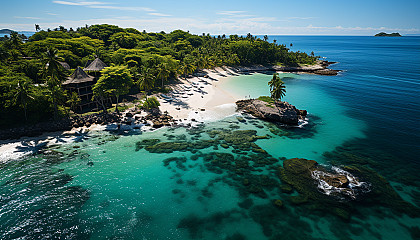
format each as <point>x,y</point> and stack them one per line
<point>157,124</point>
<point>338,181</point>
<point>176,191</point>
<point>280,112</point>
<point>179,181</point>
<point>330,190</point>
<point>286,188</point>
<point>278,203</point>
<point>307,177</point>
<point>241,119</point>
<point>146,142</point>
<point>247,203</point>
<point>327,71</point>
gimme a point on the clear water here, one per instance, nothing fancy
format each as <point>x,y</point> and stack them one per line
<point>108,190</point>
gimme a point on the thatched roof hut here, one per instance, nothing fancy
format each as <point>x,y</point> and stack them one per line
<point>78,76</point>
<point>95,66</point>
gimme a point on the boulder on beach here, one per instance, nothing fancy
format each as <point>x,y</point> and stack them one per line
<point>277,111</point>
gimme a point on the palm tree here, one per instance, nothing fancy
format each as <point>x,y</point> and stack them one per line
<point>54,72</point>
<point>73,101</point>
<point>23,94</point>
<point>201,62</point>
<point>265,38</point>
<point>183,69</point>
<point>163,71</point>
<point>190,67</point>
<point>52,63</point>
<point>37,28</point>
<point>56,93</point>
<point>146,80</point>
<point>277,88</point>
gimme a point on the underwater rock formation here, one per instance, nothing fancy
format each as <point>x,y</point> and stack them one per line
<point>308,175</point>
<point>333,189</point>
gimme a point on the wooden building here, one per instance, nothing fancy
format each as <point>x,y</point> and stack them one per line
<point>81,83</point>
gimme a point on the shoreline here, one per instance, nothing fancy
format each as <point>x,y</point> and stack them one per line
<point>198,95</point>
<point>195,100</point>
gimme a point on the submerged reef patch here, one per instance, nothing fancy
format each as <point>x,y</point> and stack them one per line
<point>299,173</point>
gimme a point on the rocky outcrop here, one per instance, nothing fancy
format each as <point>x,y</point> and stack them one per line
<point>154,116</point>
<point>280,112</point>
<point>97,118</point>
<point>310,179</point>
<point>327,72</point>
<point>337,181</point>
<point>319,68</point>
<point>159,120</point>
<point>320,187</point>
<point>36,129</point>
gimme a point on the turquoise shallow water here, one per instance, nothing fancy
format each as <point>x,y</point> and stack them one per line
<point>332,128</point>
<point>102,188</point>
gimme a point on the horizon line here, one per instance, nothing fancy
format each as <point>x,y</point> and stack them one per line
<point>259,34</point>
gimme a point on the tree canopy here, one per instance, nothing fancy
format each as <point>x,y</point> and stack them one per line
<point>133,55</point>
<point>115,81</point>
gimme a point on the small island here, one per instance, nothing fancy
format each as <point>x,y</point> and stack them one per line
<point>5,31</point>
<point>383,34</point>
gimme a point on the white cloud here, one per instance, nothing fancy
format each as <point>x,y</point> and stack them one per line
<point>159,14</point>
<point>27,17</point>
<point>79,3</point>
<point>104,5</point>
<point>230,13</point>
<point>256,26</point>
<point>301,18</point>
<point>234,14</point>
<point>123,8</point>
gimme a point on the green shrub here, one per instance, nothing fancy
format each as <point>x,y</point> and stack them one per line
<point>150,103</point>
<point>266,99</point>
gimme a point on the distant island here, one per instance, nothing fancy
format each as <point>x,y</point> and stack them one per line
<point>383,34</point>
<point>6,31</point>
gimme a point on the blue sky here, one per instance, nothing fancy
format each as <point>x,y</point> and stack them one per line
<point>304,17</point>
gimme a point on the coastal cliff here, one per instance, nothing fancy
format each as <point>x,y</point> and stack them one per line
<point>280,112</point>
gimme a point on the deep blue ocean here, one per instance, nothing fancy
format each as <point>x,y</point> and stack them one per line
<point>380,85</point>
<point>219,181</point>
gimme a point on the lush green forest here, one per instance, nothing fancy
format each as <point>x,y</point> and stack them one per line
<point>31,76</point>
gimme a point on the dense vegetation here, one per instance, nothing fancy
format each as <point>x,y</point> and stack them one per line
<point>383,34</point>
<point>31,92</point>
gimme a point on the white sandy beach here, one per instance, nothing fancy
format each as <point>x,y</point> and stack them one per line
<point>197,98</point>
<point>200,98</point>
